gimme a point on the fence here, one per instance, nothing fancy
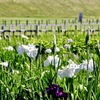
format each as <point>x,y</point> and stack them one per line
<point>17,27</point>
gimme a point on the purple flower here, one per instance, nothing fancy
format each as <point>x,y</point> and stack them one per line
<point>56,92</point>
<point>67,46</point>
<point>69,40</point>
<point>62,95</point>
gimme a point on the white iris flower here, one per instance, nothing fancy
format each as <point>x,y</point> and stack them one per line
<point>85,63</point>
<point>69,70</point>
<point>54,60</point>
<point>30,50</point>
<point>66,72</point>
<point>20,49</point>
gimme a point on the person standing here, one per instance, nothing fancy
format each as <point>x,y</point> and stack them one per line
<point>80,18</point>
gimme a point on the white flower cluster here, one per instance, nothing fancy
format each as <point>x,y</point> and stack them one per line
<point>72,68</point>
<point>54,60</point>
<point>30,50</point>
<point>85,63</point>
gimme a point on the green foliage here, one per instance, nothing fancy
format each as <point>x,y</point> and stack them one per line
<point>27,79</point>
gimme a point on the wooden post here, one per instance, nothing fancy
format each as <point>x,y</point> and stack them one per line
<point>12,29</point>
<point>20,29</point>
<point>62,21</point>
<point>46,22</point>
<point>68,20</point>
<point>97,21</point>
<point>9,31</point>
<point>65,27</point>
<point>41,21</point>
<point>89,21</point>
<point>11,22</point>
<point>92,28</point>
<point>19,22</point>
<point>2,30</point>
<point>51,28</point>
<point>31,30</point>
<point>16,22</point>
<point>73,21</point>
<point>92,20</point>
<point>45,28</point>
<point>37,30</point>
<point>38,22</point>
<point>24,29</point>
<point>42,28</point>
<point>59,29</point>
<point>5,23</point>
<point>98,28</point>
<point>26,22</point>
<point>56,21</point>
<point>34,21</point>
<point>75,27</point>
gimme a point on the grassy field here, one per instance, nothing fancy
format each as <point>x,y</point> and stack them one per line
<point>49,8</point>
